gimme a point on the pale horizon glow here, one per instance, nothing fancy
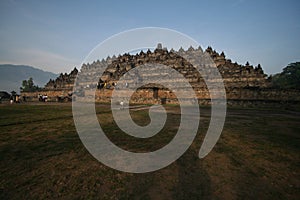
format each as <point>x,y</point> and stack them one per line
<point>56,36</point>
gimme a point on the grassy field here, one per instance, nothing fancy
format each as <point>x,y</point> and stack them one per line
<point>42,157</point>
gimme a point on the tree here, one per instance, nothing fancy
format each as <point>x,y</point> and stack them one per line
<point>28,86</point>
<point>289,77</point>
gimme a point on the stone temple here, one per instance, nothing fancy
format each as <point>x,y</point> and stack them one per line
<point>243,83</point>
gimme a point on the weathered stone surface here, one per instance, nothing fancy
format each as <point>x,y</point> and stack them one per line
<point>242,82</point>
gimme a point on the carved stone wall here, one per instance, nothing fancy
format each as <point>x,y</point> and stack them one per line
<point>63,82</point>
<point>242,82</point>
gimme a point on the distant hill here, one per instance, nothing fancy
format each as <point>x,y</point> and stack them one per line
<point>11,76</point>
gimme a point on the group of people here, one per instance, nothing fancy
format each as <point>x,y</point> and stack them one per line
<point>43,98</point>
<point>14,99</point>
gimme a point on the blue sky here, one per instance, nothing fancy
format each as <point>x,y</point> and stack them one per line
<point>58,35</point>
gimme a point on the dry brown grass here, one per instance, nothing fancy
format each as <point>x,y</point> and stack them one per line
<point>42,157</point>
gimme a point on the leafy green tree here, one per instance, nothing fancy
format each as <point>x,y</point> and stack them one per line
<point>28,86</point>
<point>289,77</point>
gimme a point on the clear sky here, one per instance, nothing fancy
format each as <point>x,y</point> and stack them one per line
<point>57,35</point>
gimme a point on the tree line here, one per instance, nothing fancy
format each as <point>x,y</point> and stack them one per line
<point>289,78</point>
<point>29,86</point>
